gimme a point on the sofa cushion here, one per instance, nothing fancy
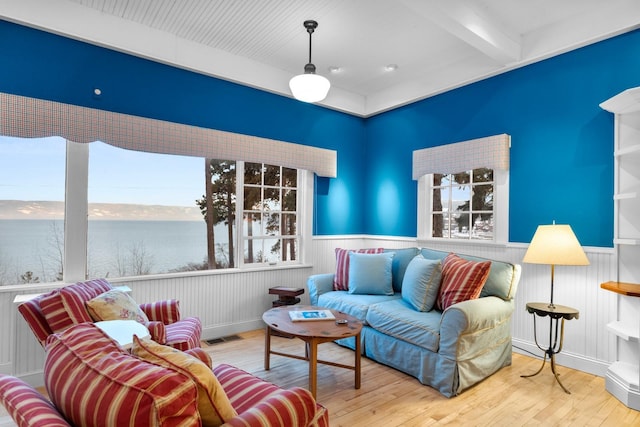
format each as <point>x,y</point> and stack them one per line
<point>422,282</point>
<point>92,381</point>
<point>353,304</point>
<point>462,280</point>
<point>398,319</point>
<point>370,273</point>
<point>213,403</point>
<point>503,276</point>
<point>115,305</point>
<point>401,260</point>
<point>65,307</point>
<point>341,278</point>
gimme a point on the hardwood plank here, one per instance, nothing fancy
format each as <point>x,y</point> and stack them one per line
<point>390,398</point>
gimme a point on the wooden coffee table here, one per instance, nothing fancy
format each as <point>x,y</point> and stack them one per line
<point>312,333</point>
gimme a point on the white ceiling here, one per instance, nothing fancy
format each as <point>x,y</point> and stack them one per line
<point>437,45</point>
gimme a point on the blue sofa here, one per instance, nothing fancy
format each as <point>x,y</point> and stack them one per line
<point>449,351</point>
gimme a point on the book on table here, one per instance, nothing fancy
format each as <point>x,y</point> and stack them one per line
<point>306,315</point>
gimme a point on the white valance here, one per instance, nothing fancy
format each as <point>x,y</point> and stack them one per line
<point>35,118</point>
<point>490,152</point>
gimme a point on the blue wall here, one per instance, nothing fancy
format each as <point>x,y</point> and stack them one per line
<point>46,66</point>
<point>562,142</point>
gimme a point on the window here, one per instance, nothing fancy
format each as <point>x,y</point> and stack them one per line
<point>32,186</point>
<point>270,214</point>
<point>463,190</point>
<point>462,205</point>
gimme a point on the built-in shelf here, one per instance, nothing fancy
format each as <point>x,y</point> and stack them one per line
<point>624,196</point>
<point>625,331</point>
<point>630,242</point>
<point>633,149</point>
<point>629,289</point>
<point>623,375</point>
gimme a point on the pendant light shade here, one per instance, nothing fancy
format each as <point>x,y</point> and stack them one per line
<point>309,87</point>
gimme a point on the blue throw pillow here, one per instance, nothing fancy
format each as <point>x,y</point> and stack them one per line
<point>370,273</point>
<point>421,283</point>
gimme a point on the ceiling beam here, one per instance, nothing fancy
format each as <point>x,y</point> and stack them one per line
<point>462,20</point>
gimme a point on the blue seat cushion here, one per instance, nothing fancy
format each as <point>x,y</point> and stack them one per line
<point>355,305</point>
<point>398,319</point>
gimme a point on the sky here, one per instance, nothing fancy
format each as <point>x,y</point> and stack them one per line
<point>34,169</point>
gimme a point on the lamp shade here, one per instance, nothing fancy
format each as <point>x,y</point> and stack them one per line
<point>309,87</point>
<point>555,245</point>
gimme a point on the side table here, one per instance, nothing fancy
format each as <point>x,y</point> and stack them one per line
<point>286,296</point>
<point>557,314</point>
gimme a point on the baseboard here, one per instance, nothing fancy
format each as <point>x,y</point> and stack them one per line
<point>567,359</point>
<point>231,329</point>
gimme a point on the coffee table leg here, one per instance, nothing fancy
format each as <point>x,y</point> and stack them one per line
<point>357,363</point>
<point>267,347</point>
<point>313,366</point>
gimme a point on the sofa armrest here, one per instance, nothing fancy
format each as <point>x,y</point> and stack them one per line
<point>27,406</point>
<point>284,408</point>
<point>319,284</point>
<point>167,311</point>
<point>469,327</point>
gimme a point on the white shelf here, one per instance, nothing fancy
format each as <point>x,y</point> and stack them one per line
<point>630,242</point>
<point>625,331</point>
<point>627,373</point>
<point>632,149</point>
<point>625,196</point>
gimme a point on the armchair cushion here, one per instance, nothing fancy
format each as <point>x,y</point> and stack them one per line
<point>91,379</point>
<point>115,305</point>
<point>213,403</point>
<point>65,307</point>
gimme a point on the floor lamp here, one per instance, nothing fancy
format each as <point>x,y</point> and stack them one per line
<point>553,245</point>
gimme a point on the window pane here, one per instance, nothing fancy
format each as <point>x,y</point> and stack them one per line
<point>252,198</point>
<point>483,175</point>
<point>253,173</point>
<point>289,177</point>
<point>289,250</point>
<point>440,226</point>
<point>483,227</point>
<point>146,216</point>
<point>483,197</point>
<point>289,201</point>
<point>32,185</point>
<point>272,175</point>
<point>289,224</point>
<point>271,199</point>
<point>252,224</point>
<point>271,224</point>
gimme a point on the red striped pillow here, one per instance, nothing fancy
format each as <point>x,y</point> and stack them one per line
<point>92,380</point>
<point>461,280</point>
<point>341,278</point>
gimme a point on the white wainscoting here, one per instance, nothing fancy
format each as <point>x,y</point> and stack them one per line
<point>229,302</point>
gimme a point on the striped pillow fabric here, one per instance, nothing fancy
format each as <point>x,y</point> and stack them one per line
<point>462,280</point>
<point>28,407</point>
<point>65,307</point>
<point>92,381</point>
<point>341,278</point>
<point>213,404</point>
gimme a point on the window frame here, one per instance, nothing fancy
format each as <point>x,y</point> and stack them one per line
<point>500,211</point>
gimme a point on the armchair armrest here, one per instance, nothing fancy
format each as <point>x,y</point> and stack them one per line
<point>319,284</point>
<point>157,331</point>
<point>167,312</point>
<point>27,406</point>
<point>470,327</point>
<point>284,408</point>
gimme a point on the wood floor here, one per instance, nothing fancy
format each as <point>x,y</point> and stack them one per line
<point>390,398</point>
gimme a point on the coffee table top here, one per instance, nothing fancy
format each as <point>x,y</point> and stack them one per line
<point>278,319</point>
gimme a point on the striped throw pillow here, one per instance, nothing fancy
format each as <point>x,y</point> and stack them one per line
<point>341,279</point>
<point>461,280</point>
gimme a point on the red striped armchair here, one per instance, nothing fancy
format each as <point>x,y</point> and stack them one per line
<point>61,308</point>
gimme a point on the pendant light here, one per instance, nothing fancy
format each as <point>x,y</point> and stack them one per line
<point>309,87</point>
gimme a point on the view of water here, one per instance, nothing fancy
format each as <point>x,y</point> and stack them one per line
<point>160,246</point>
